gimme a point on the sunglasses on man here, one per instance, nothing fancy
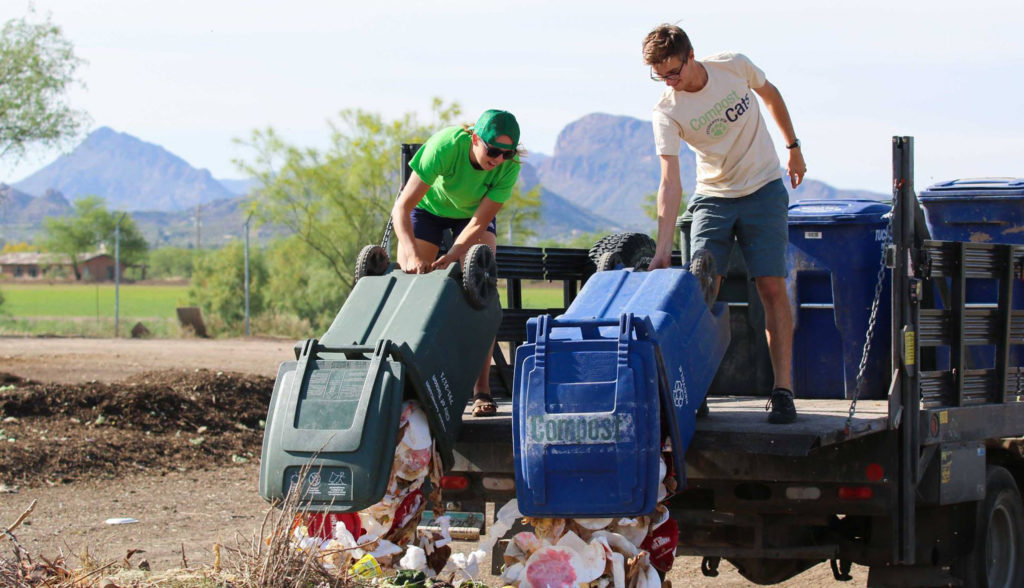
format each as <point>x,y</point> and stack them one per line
<point>493,152</point>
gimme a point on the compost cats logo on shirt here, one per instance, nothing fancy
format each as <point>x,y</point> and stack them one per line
<point>715,121</point>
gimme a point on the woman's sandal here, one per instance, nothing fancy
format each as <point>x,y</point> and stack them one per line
<point>483,405</point>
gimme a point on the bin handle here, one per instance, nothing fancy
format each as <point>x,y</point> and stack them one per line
<point>625,391</point>
<point>537,381</point>
<point>327,440</point>
<point>303,355</point>
<point>313,347</point>
<point>642,326</point>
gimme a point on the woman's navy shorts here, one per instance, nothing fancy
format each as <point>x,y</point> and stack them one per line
<point>430,227</point>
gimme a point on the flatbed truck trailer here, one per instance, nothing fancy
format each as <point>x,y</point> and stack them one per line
<point>922,487</point>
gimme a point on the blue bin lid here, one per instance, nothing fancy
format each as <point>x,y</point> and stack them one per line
<point>851,210</point>
<point>975,189</point>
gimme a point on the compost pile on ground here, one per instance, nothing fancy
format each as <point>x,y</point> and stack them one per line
<point>155,421</point>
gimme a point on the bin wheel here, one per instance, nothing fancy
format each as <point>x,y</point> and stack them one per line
<point>702,266</point>
<point>373,260</point>
<point>631,248</point>
<point>609,260</point>
<point>480,276</point>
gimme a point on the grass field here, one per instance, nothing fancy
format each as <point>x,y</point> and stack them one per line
<point>88,300</point>
<point>88,309</point>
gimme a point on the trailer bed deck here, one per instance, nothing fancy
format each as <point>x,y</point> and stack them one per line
<point>736,423</point>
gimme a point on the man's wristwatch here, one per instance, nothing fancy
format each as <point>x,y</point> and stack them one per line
<point>794,145</point>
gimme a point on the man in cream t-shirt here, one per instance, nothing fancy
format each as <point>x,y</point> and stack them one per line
<point>711,105</point>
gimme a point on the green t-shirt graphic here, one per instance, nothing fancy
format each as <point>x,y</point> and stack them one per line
<point>456,187</point>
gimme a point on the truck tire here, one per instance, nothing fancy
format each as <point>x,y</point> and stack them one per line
<point>998,557</point>
<point>373,260</point>
<point>631,248</point>
<point>480,276</point>
<point>609,260</point>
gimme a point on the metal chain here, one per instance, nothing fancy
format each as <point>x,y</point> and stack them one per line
<point>872,319</point>
<point>385,241</point>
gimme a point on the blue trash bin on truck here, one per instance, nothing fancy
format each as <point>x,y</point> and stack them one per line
<point>979,210</point>
<point>833,262</point>
<point>644,321</point>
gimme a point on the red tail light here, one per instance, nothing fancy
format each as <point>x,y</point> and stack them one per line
<point>454,482</point>
<point>855,493</point>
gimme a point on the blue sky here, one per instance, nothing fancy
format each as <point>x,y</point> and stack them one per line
<point>191,76</point>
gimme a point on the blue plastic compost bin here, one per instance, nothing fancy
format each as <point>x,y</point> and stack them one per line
<point>585,422</point>
<point>673,333</point>
<point>986,210</point>
<point>981,210</point>
<point>833,263</point>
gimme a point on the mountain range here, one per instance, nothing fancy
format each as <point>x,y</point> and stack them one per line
<point>602,168</point>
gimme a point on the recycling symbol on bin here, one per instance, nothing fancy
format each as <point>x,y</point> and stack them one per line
<point>679,399</point>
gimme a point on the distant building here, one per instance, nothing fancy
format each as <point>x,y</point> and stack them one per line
<point>94,267</point>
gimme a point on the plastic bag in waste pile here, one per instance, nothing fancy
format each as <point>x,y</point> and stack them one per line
<point>623,552</point>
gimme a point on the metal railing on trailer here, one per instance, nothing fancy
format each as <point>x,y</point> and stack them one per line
<point>937,396</point>
<point>518,264</point>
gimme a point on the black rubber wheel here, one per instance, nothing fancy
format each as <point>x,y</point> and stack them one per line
<point>609,260</point>
<point>998,558</point>
<point>702,266</point>
<point>373,260</point>
<point>631,248</point>
<point>480,276</point>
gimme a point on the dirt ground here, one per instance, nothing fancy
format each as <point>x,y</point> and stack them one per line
<point>163,432</point>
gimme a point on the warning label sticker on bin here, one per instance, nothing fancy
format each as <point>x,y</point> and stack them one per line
<point>441,396</point>
<point>327,482</point>
<point>812,234</point>
<point>579,429</point>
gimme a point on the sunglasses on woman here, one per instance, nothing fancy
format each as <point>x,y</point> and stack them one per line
<point>493,152</point>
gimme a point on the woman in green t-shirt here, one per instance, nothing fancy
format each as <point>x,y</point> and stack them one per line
<point>460,178</point>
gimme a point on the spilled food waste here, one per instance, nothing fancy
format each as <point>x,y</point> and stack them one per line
<point>384,544</point>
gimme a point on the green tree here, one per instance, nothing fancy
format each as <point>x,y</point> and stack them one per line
<point>37,67</point>
<point>519,215</point>
<point>172,262</point>
<point>336,200</point>
<point>307,290</point>
<point>88,228</point>
<point>218,286</point>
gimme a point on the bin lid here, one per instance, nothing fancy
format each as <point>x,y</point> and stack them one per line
<point>975,189</point>
<point>852,210</point>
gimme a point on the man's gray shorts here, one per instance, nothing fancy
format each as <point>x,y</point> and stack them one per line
<point>759,222</point>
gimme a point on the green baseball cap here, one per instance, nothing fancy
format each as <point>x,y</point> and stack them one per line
<point>495,123</point>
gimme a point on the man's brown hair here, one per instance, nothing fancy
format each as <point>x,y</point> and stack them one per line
<point>665,42</point>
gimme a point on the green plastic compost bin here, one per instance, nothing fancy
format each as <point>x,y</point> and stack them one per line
<point>331,429</point>
<point>399,336</point>
<point>438,336</point>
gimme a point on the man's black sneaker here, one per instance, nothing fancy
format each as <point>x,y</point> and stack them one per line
<point>783,411</point>
<point>703,410</point>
